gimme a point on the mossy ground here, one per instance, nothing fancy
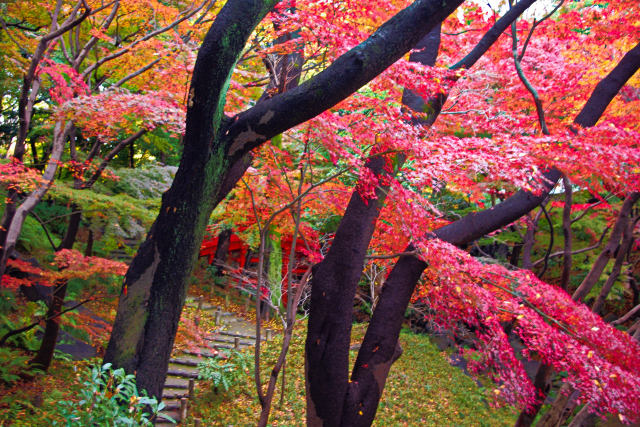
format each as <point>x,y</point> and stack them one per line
<point>423,389</point>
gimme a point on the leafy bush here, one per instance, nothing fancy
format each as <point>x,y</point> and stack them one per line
<point>224,370</point>
<point>109,398</point>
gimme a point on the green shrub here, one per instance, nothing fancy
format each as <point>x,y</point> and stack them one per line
<point>109,398</point>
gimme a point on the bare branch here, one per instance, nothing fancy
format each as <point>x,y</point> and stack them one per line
<point>578,251</point>
<point>137,72</point>
<point>533,27</point>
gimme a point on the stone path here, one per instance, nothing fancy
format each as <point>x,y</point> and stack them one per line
<point>232,332</point>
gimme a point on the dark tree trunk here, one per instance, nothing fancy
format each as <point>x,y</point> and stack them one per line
<point>406,272</point>
<point>379,347</point>
<point>50,337</point>
<point>326,402</point>
<point>623,252</point>
<point>132,162</point>
<point>156,282</point>
<point>333,289</point>
<point>72,229</point>
<point>609,250</point>
<point>88,250</point>
<point>515,254</point>
<point>542,383</point>
<point>52,327</point>
<point>561,408</point>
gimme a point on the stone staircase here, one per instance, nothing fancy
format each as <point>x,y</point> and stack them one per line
<point>232,332</point>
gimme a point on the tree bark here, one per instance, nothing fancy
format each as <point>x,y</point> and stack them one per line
<point>222,250</point>
<point>542,383</point>
<point>156,282</point>
<point>52,327</point>
<point>49,339</point>
<point>72,228</point>
<point>333,289</point>
<point>561,408</point>
<point>369,376</point>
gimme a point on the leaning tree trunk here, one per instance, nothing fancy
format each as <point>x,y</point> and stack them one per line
<point>15,227</point>
<point>623,252</point>
<point>155,285</point>
<point>333,290</point>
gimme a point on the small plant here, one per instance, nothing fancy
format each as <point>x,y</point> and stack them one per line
<point>225,369</point>
<point>109,398</point>
<point>13,365</point>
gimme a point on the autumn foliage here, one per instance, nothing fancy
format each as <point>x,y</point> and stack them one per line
<point>487,143</point>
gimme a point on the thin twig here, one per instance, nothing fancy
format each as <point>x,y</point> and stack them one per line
<point>576,252</point>
<point>42,224</point>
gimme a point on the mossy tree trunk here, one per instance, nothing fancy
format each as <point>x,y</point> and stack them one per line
<point>155,285</point>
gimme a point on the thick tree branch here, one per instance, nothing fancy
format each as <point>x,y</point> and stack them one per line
<point>608,88</point>
<point>342,78</point>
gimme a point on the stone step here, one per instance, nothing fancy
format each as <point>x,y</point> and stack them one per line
<point>171,405</point>
<point>222,346</point>
<point>182,372</point>
<point>203,353</point>
<point>183,366</point>
<point>235,334</point>
<point>226,339</point>
<point>176,382</point>
<point>174,393</point>
<point>227,343</point>
<point>186,360</point>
